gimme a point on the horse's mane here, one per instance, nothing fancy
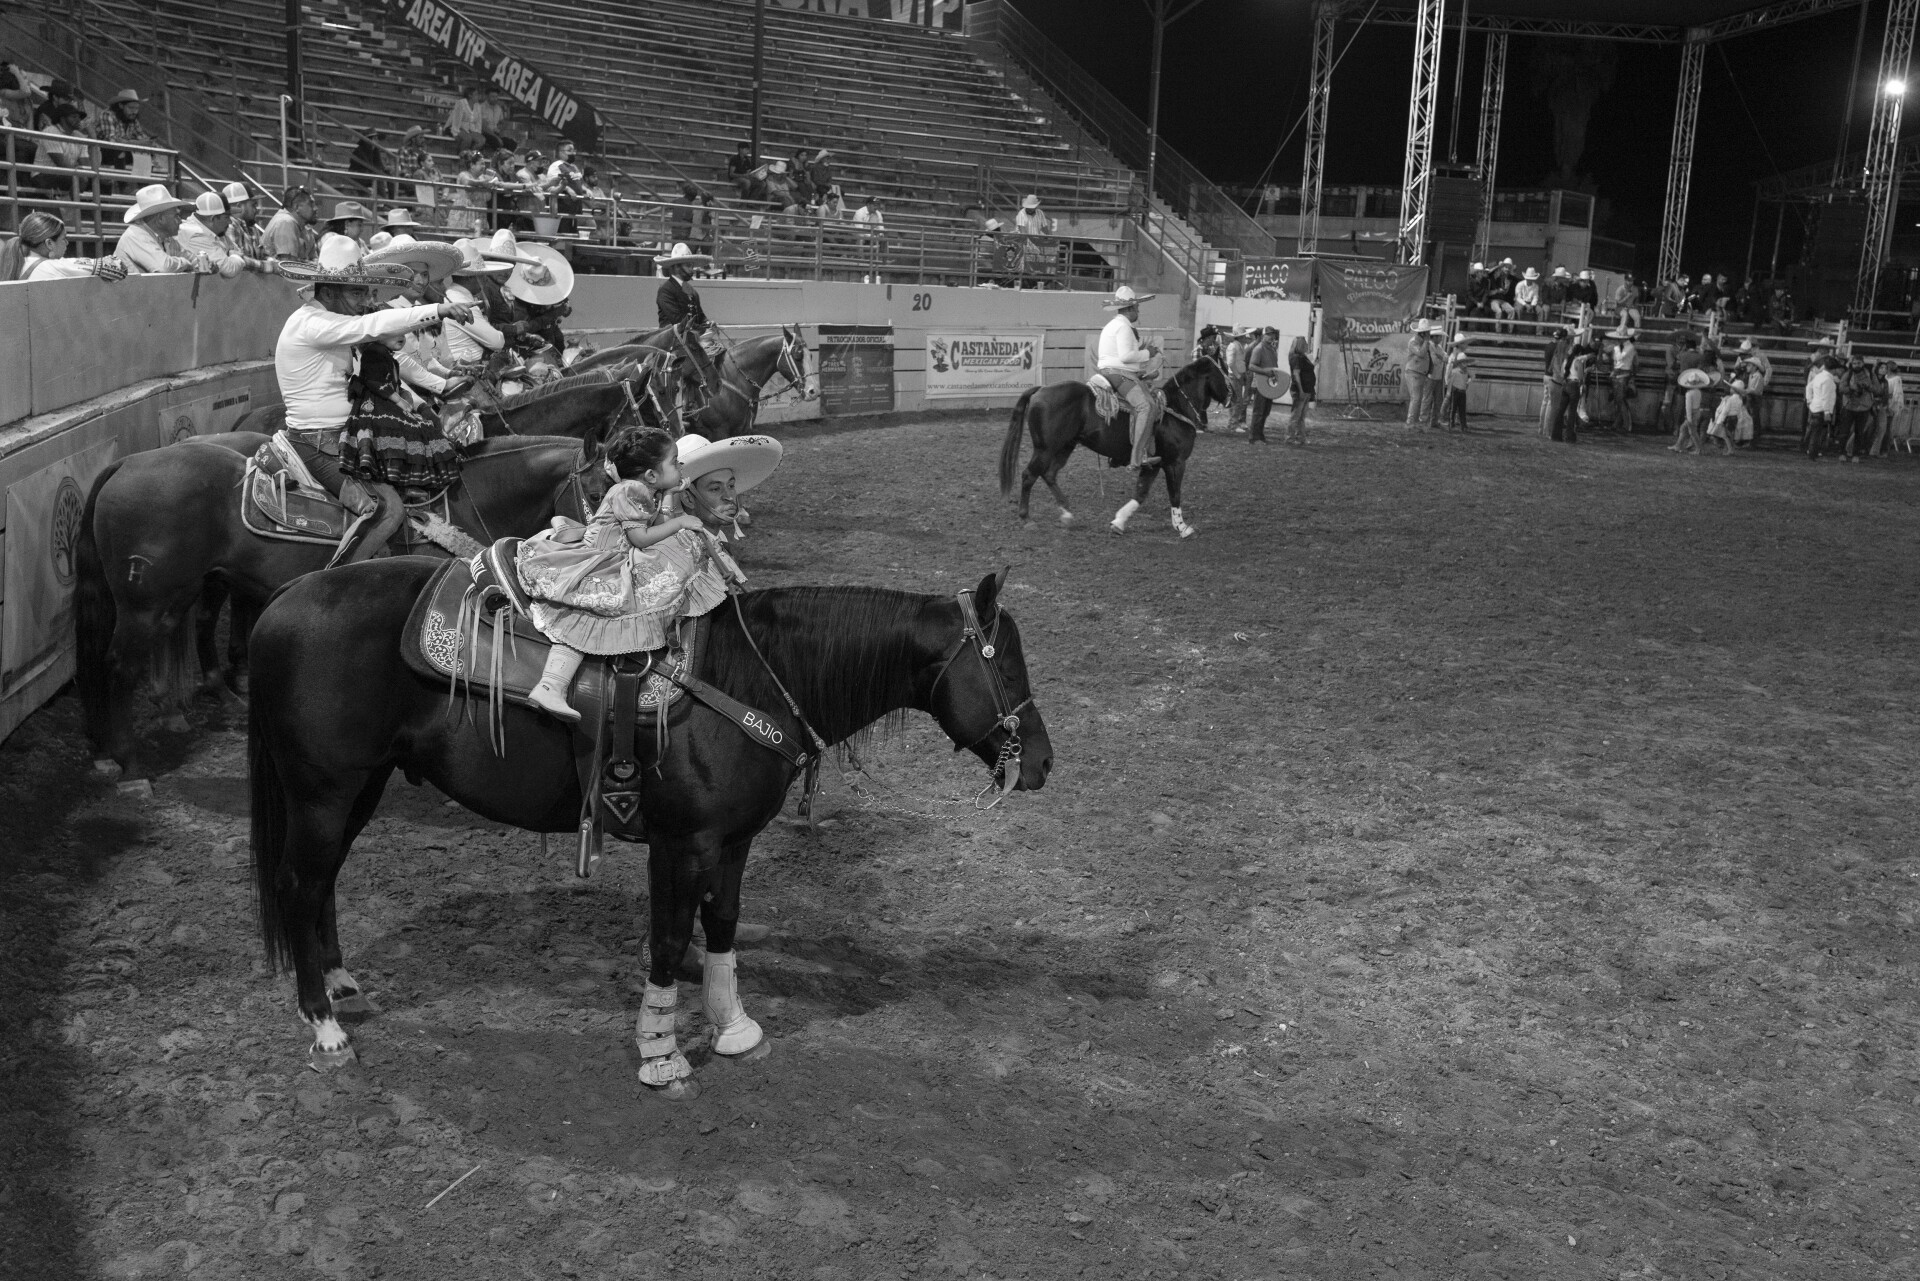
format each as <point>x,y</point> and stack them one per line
<point>846,654</point>
<point>560,386</point>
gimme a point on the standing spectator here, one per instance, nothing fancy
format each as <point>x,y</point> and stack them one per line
<point>870,220</point>
<point>1899,420</point>
<point>1626,364</point>
<point>473,197</point>
<point>1822,395</point>
<point>290,235</point>
<point>493,122</point>
<point>1263,363</point>
<point>530,182</point>
<point>1626,302</point>
<point>1526,295</point>
<point>204,235</point>
<point>1573,407</point>
<point>564,179</point>
<point>1728,417</point>
<point>244,234</point>
<point>149,243</point>
<point>120,122</point>
<point>1458,374</point>
<point>1706,297</point>
<point>58,94</point>
<point>1673,293</point>
<point>67,122</point>
<point>1305,389</point>
<point>1239,346</point>
<point>411,159</point>
<point>1033,225</point>
<point>1856,407</point>
<point>1884,379</point>
<point>39,252</point>
<point>692,219</point>
<point>1415,374</point>
<point>467,121</point>
<point>1553,381</point>
<point>741,175</point>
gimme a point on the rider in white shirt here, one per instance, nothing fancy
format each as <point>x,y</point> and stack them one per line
<point>1125,361</point>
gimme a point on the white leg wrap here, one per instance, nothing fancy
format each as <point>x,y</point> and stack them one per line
<point>1180,524</point>
<point>328,1036</point>
<point>733,1031</point>
<point>1125,514</point>
<point>662,1061</point>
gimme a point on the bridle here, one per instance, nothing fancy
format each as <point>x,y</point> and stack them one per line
<point>1006,718</point>
<point>1174,385</point>
<point>786,365</point>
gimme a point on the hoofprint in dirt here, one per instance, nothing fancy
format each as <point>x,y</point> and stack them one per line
<point>1466,858</point>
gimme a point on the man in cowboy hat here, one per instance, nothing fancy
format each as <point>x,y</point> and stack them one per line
<point>1583,292</point>
<point>1526,295</point>
<point>1239,347</point>
<point>149,244</point>
<point>1263,362</point>
<point>314,359</point>
<point>1416,374</point>
<point>1125,360</point>
<point>1036,255</point>
<point>352,220</point>
<point>1626,364</point>
<point>677,302</point>
<point>399,221</point>
<point>203,235</point>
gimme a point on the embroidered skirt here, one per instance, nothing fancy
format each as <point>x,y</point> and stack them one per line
<point>385,444</point>
<point>601,596</point>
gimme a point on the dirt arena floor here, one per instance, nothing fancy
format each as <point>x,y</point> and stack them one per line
<point>1466,858</point>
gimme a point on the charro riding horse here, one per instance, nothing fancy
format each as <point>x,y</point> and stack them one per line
<point>814,666</point>
<point>160,525</point>
<point>1063,415</point>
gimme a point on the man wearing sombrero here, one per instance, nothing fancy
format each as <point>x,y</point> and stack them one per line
<point>1124,360</point>
<point>315,361</point>
<point>431,263</point>
<point>678,302</point>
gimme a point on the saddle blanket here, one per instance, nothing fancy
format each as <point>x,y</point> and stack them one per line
<point>467,627</point>
<point>1108,404</point>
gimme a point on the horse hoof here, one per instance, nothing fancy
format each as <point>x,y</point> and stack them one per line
<point>328,1060</point>
<point>1066,518</point>
<point>138,788</point>
<point>353,1008</point>
<point>1188,531</point>
<point>1118,529</point>
<point>744,932</point>
<point>685,1090</point>
<point>176,724</point>
<point>760,1050</point>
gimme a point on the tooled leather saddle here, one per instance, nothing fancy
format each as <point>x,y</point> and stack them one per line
<point>471,627</point>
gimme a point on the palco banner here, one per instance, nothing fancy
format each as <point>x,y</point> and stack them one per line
<point>1289,278</point>
<point>1369,298</point>
<point>44,511</point>
<point>452,31</point>
<point>964,365</point>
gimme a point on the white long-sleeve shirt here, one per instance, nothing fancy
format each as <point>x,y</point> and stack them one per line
<point>315,355</point>
<point>143,251</point>
<point>1121,348</point>
<point>470,342</point>
<point>38,268</point>
<point>197,238</point>
<point>1822,390</point>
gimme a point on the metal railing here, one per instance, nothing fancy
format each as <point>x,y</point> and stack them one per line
<point>1189,193</point>
<point>88,196</point>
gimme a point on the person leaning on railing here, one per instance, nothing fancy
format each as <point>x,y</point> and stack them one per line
<point>39,252</point>
<point>150,244</point>
<point>203,235</point>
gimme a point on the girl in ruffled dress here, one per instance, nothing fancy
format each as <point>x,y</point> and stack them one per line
<point>620,587</point>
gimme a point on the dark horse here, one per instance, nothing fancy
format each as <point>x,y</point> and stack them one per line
<point>336,709</point>
<point>164,525</point>
<point>570,406</point>
<point>1062,415</point>
<point>744,372</point>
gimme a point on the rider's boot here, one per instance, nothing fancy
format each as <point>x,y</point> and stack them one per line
<point>378,512</point>
<point>550,695</point>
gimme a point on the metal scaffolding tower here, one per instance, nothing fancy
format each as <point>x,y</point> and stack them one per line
<point>1417,175</point>
<point>1882,177</point>
<point>1319,94</point>
<point>1686,120</point>
<point>1493,92</point>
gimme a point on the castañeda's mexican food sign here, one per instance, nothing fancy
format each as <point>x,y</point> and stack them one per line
<point>982,364</point>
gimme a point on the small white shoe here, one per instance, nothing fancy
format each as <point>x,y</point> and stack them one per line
<point>554,703</point>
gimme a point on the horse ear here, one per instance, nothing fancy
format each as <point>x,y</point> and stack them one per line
<point>986,597</point>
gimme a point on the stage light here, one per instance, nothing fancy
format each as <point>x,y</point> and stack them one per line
<point>1896,88</point>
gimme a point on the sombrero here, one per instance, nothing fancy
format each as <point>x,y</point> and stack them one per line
<point>474,263</point>
<point>1124,296</point>
<point>1031,202</point>
<point>339,263</point>
<point>682,253</point>
<point>1695,379</point>
<point>434,260</point>
<point>150,200</point>
<point>399,220</point>
<point>504,248</point>
<point>751,459</point>
<point>544,283</point>
<point>1530,274</point>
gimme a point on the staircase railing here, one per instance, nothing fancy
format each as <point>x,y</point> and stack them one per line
<point>1187,191</point>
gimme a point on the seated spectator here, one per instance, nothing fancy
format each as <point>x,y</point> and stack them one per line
<point>778,186</point>
<point>121,123</point>
<point>289,233</point>
<point>740,172</point>
<point>870,217</point>
<point>18,96</point>
<point>203,235</point>
<point>564,180</point>
<point>352,220</point>
<point>466,121</point>
<point>58,93</point>
<point>68,121</point>
<point>493,122</point>
<point>797,175</point>
<point>819,172</point>
<point>245,236</point>
<point>411,159</point>
<point>149,243</point>
<point>39,252</point>
<point>992,253</point>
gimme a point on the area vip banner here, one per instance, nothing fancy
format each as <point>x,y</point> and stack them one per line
<point>451,30</point>
<point>918,13</point>
<point>982,364</point>
<point>1362,301</point>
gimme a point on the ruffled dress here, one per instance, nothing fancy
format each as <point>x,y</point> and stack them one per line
<point>602,595</point>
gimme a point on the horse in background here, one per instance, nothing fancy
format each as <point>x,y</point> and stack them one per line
<point>1064,415</point>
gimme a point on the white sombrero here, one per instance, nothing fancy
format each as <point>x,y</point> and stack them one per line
<point>683,253</point>
<point>434,260</point>
<point>1124,296</point>
<point>751,459</point>
<point>340,263</point>
<point>150,200</point>
<point>1694,379</point>
<point>474,263</point>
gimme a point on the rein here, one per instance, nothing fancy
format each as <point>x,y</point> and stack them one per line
<point>1176,386</point>
<point>1006,719</point>
<point>784,366</point>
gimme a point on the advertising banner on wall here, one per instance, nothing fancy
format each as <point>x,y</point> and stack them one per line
<point>1289,278</point>
<point>856,369</point>
<point>1366,300</point>
<point>968,365</point>
<point>455,34</point>
<point>43,533</point>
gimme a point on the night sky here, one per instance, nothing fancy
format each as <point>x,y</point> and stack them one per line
<point>1235,82</point>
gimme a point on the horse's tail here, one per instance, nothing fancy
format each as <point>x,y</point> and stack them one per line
<point>1010,447</point>
<point>269,805</point>
<point>93,618</point>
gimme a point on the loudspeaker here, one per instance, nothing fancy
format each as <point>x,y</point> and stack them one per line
<point>1835,259</point>
<point>1453,209</point>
